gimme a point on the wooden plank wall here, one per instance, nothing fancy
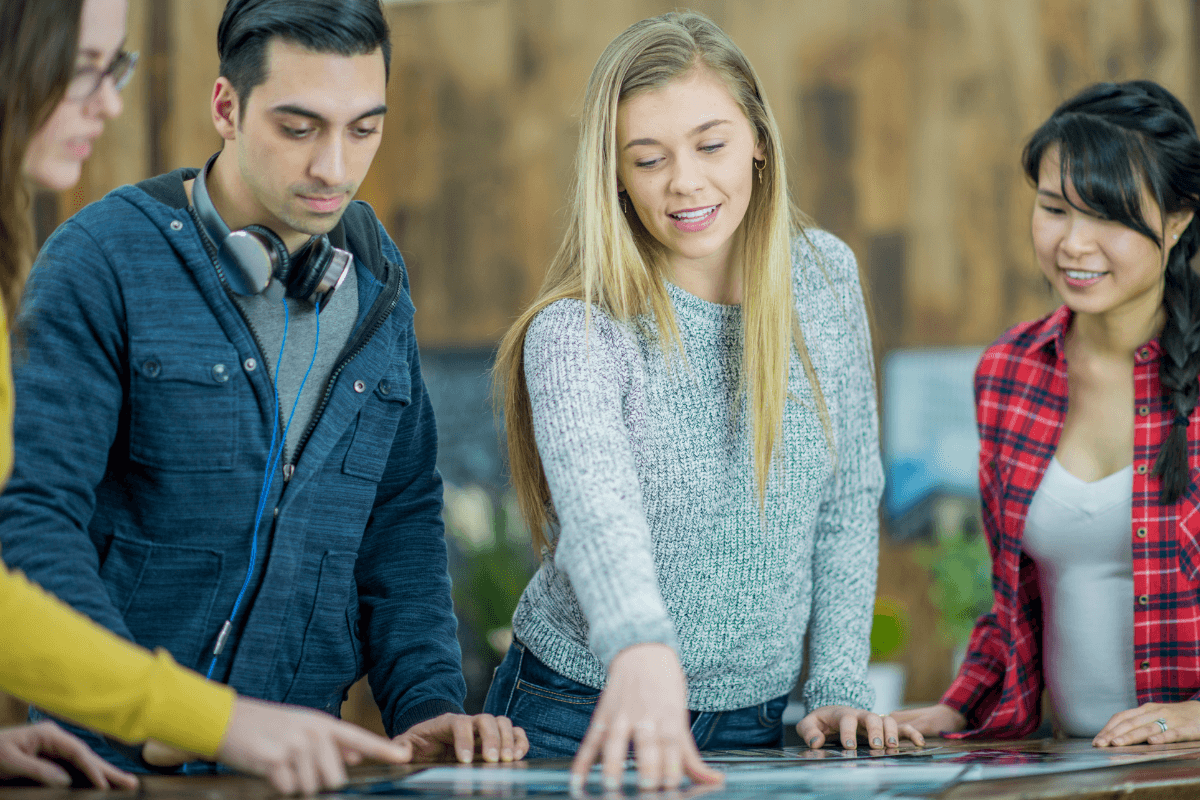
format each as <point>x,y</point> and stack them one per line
<point>903,121</point>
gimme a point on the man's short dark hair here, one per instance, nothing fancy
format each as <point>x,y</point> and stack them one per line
<point>345,27</point>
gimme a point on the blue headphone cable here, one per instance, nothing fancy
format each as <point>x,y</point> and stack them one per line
<point>273,457</point>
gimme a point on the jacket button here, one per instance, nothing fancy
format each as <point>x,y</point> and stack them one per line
<point>1143,599</point>
<point>360,387</point>
<point>1144,353</point>
<point>288,471</point>
<point>1141,533</point>
<point>250,365</point>
<point>220,373</point>
<point>1141,469</point>
<point>1144,665</point>
<point>176,225</point>
<point>384,388</point>
<point>152,368</point>
<point>1143,411</point>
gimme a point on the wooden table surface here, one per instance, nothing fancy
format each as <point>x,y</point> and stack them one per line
<point>1177,776</point>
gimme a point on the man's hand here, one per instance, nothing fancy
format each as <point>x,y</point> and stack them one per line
<point>459,737</point>
<point>29,751</point>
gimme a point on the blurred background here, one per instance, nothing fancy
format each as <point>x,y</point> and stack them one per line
<point>903,121</point>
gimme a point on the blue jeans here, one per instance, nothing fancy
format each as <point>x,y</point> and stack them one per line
<point>555,711</point>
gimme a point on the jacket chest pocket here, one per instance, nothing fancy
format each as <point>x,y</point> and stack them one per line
<point>183,411</point>
<point>375,428</point>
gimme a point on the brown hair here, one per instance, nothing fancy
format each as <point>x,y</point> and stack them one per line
<point>40,43</point>
<point>609,260</point>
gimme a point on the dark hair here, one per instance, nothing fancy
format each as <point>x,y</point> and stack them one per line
<point>39,41</point>
<point>345,27</point>
<point>1113,139</point>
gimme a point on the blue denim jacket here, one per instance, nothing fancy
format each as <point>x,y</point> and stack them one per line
<point>141,439</point>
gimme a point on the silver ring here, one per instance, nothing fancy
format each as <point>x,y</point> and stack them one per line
<point>1162,724</point>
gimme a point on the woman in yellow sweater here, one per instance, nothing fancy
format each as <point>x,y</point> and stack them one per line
<point>62,64</point>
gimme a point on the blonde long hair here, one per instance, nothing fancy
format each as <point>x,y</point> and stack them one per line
<point>608,259</point>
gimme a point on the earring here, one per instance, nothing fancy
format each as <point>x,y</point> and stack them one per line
<point>624,207</point>
<point>760,166</point>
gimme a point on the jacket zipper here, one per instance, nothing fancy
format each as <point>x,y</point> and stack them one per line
<point>376,324</point>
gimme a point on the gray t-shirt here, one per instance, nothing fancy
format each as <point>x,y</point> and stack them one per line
<point>265,315</point>
<point>660,535</point>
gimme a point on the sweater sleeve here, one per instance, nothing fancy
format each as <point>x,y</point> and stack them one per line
<point>846,539</point>
<point>575,370</point>
<point>55,658</point>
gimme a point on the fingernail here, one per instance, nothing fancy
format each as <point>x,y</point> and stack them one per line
<point>892,740</point>
<point>878,742</point>
<point>611,784</point>
<point>492,755</point>
<point>575,785</point>
<point>646,784</point>
<point>464,756</point>
<point>812,742</point>
<point>506,754</point>
<point>849,745</point>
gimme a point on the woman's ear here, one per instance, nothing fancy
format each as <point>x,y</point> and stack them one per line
<point>1177,223</point>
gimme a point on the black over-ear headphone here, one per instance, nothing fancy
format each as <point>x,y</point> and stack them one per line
<point>255,255</point>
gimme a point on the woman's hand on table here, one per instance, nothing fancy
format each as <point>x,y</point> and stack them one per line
<point>930,720</point>
<point>30,751</point>
<point>843,723</point>
<point>299,750</point>
<point>644,703</point>
<point>1138,725</point>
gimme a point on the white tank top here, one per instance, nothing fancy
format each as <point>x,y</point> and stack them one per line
<point>1078,534</point>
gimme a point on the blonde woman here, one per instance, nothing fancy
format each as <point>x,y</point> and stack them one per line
<point>692,433</point>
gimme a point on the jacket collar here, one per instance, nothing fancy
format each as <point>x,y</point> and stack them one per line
<point>168,190</point>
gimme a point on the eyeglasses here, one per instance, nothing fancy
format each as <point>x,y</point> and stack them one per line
<point>87,80</point>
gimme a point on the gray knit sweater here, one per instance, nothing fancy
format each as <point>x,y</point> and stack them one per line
<point>660,537</point>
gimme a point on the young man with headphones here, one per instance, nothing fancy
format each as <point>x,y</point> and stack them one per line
<point>224,446</point>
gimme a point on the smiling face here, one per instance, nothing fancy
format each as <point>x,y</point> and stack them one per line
<point>57,151</point>
<point>685,156</point>
<point>303,143</point>
<point>1098,266</point>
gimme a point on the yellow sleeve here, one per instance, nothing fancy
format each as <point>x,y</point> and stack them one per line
<point>61,661</point>
<point>58,659</point>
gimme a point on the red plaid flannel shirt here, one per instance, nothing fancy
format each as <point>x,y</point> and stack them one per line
<point>1020,405</point>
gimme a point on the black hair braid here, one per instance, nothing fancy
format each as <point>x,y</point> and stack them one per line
<point>1179,368</point>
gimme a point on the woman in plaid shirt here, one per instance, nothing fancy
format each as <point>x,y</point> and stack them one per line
<point>1090,480</point>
